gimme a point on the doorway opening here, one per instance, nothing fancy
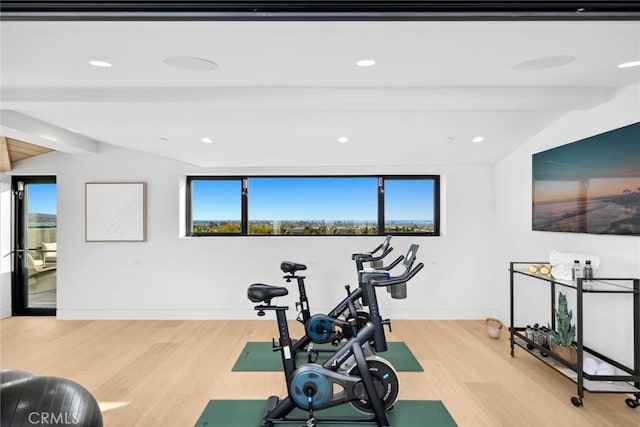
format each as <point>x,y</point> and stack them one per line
<point>35,245</point>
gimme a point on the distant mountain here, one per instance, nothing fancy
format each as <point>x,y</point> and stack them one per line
<point>42,219</point>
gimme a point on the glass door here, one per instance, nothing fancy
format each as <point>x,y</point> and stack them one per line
<point>36,252</point>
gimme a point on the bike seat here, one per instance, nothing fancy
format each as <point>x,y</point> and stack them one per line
<point>291,267</point>
<point>259,292</point>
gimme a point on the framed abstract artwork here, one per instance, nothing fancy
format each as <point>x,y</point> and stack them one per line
<point>115,212</point>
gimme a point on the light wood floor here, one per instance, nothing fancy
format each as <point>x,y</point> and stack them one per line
<point>163,373</point>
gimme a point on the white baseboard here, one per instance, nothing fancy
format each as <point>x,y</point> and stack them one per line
<point>64,314</point>
<point>75,314</point>
<point>5,312</point>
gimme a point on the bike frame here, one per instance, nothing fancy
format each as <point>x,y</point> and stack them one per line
<point>353,347</point>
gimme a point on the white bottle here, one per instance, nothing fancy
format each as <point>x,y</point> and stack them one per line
<point>575,272</point>
<point>587,274</point>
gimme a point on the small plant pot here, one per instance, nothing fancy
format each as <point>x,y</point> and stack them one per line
<point>569,354</point>
<point>493,327</point>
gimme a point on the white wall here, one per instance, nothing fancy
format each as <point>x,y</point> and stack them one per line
<point>171,276</point>
<point>486,223</point>
<point>608,319</point>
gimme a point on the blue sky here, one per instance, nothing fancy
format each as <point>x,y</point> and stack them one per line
<point>313,198</point>
<point>303,198</point>
<point>408,200</point>
<point>218,199</point>
<point>42,198</point>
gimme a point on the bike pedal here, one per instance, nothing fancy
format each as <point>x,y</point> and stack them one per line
<point>272,402</point>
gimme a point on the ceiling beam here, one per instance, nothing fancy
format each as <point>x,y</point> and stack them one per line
<point>25,128</point>
<point>5,161</point>
<point>307,99</point>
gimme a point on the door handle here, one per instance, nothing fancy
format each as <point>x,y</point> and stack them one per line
<point>14,251</point>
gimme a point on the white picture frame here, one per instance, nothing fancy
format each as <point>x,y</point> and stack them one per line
<point>115,212</point>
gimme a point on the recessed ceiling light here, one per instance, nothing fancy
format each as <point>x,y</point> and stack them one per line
<point>190,63</point>
<point>544,63</point>
<point>97,63</point>
<point>207,140</point>
<point>629,64</point>
<point>478,139</point>
<point>343,140</point>
<point>366,63</point>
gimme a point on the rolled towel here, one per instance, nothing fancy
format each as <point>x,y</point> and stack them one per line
<point>562,272</point>
<point>589,366</point>
<point>567,258</point>
<point>604,368</point>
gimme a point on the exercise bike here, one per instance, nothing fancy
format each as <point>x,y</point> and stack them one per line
<point>291,269</point>
<point>371,385</point>
<point>334,326</point>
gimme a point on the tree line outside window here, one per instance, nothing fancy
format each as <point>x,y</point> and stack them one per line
<point>313,205</point>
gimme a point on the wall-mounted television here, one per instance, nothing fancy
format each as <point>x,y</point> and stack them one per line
<point>590,186</point>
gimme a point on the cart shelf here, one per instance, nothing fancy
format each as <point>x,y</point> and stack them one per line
<point>629,382</point>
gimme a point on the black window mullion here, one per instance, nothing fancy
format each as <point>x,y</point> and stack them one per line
<point>381,206</point>
<point>245,206</point>
<point>436,205</point>
<point>189,220</point>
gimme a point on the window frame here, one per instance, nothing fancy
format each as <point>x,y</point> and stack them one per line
<point>245,192</point>
<point>436,204</point>
<point>243,205</point>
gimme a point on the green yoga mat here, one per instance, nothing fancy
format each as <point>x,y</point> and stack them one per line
<point>248,413</point>
<point>258,356</point>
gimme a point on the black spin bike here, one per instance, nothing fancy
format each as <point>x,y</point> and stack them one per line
<point>371,385</point>
<point>334,326</point>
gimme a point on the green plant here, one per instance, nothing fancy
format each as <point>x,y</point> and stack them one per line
<point>565,332</point>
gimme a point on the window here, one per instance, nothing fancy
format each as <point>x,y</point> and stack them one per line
<point>409,205</point>
<point>313,205</point>
<point>216,206</point>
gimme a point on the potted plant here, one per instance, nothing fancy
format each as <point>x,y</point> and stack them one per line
<point>565,332</point>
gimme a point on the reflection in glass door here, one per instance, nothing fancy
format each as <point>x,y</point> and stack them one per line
<point>36,252</point>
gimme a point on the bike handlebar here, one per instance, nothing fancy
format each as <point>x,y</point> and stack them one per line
<point>393,264</point>
<point>369,257</point>
<point>382,246</point>
<point>399,279</point>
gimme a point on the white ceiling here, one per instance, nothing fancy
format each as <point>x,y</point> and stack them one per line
<point>285,92</point>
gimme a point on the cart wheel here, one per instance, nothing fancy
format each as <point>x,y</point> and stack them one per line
<point>576,401</point>
<point>530,346</point>
<point>631,403</point>
<point>511,352</point>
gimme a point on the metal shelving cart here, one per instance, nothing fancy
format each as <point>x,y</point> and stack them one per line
<point>628,383</point>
